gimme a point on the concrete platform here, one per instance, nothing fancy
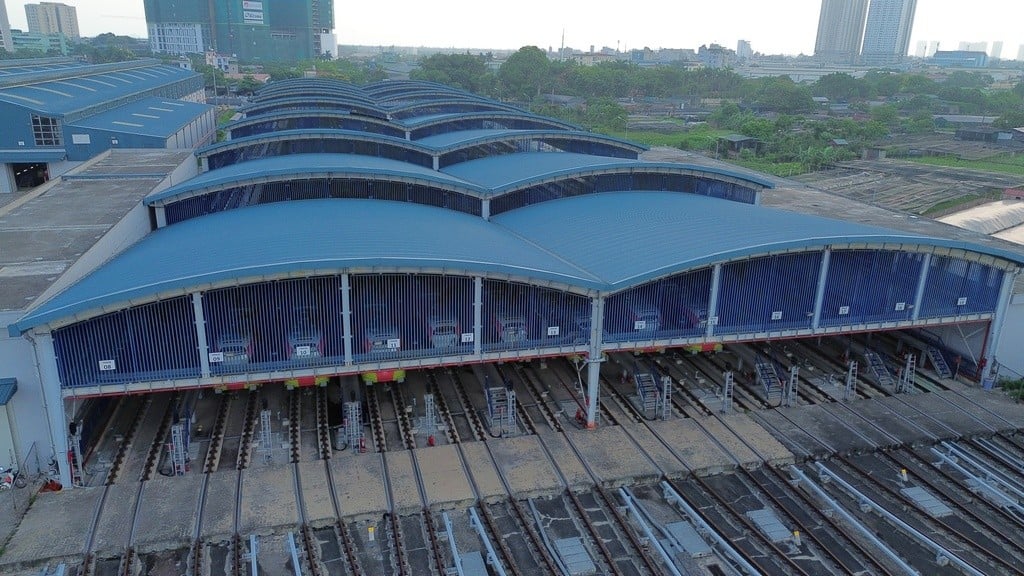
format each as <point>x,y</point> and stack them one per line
<point>997,408</point>
<point>801,444</point>
<point>268,500</point>
<point>168,512</point>
<point>849,415</point>
<point>879,413</point>
<point>822,425</point>
<point>485,475</point>
<point>612,456</point>
<point>663,458</point>
<point>316,494</point>
<point>523,464</point>
<point>115,523</point>
<point>954,421</point>
<point>359,484</point>
<point>219,514</point>
<point>929,426</point>
<point>693,447</point>
<point>566,461</point>
<point>404,492</point>
<point>760,439</point>
<point>720,432</point>
<point>55,527</point>
<point>444,478</point>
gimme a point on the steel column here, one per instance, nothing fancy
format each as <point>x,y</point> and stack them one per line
<point>346,318</point>
<point>485,209</point>
<point>203,347</point>
<point>716,278</point>
<point>996,325</point>
<point>53,403</point>
<point>921,282</point>
<point>161,216</point>
<point>594,360</point>
<point>819,296</point>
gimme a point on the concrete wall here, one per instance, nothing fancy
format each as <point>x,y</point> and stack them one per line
<point>7,184</point>
<point>28,416</point>
<point>1009,351</point>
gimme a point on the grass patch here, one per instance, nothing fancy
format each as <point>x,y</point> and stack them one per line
<point>694,139</point>
<point>949,205</point>
<point>224,115</point>
<point>1003,164</point>
<point>781,169</point>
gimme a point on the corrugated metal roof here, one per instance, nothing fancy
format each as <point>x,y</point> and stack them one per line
<point>311,133</point>
<point>310,165</point>
<point>420,121</point>
<point>454,140</point>
<point>305,237</point>
<point>8,386</point>
<point>160,117</point>
<point>627,238</point>
<point>77,92</point>
<point>509,171</point>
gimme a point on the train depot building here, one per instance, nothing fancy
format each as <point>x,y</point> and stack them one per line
<point>351,259</point>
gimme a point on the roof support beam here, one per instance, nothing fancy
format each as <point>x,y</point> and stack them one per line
<point>922,281</point>
<point>478,307</point>
<point>995,327</point>
<point>819,296</point>
<point>203,346</point>
<point>594,359</point>
<point>346,317</point>
<point>716,280</point>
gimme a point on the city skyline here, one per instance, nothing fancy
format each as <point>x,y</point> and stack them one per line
<point>462,24</point>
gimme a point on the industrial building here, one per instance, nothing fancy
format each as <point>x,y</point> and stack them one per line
<point>345,231</point>
<point>252,31</point>
<point>58,112</point>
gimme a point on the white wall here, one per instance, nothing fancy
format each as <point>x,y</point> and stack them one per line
<point>7,184</point>
<point>29,422</point>
<point>1009,353</point>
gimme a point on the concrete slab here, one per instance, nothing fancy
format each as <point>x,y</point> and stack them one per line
<point>268,499</point>
<point>612,456</point>
<point>167,515</point>
<point>219,513</point>
<point>995,407</point>
<point>404,492</point>
<point>115,523</point>
<point>878,413</point>
<point>485,475</point>
<point>821,425</point>
<point>692,446</point>
<point>666,462</point>
<point>39,536</point>
<point>316,493</point>
<point>521,461</point>
<point>444,478</point>
<point>760,439</point>
<point>568,463</point>
<point>848,415</point>
<point>929,426</point>
<point>793,438</point>
<point>359,484</point>
<point>953,418</point>
<point>720,432</point>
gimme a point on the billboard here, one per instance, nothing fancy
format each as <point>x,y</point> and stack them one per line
<point>252,12</point>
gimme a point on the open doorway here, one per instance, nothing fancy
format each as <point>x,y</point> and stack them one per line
<point>30,175</point>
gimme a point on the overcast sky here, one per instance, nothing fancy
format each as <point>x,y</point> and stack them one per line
<point>772,26</point>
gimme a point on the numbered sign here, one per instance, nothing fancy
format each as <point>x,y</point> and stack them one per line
<point>467,337</point>
<point>640,325</point>
<point>394,343</point>
<point>713,321</point>
<point>844,310</point>
<point>901,306</point>
<point>216,357</point>
<point>777,315</point>
<point>961,301</point>
<point>107,365</point>
<point>553,330</point>
<point>303,351</point>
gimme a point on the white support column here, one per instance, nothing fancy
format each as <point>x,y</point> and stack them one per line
<point>922,280</point>
<point>437,161</point>
<point>819,296</point>
<point>485,209</point>
<point>716,278</point>
<point>594,360</point>
<point>996,326</point>
<point>478,308</point>
<point>53,404</point>
<point>346,318</point>
<point>161,216</point>
<point>8,185</point>
<point>204,164</point>
<point>203,346</point>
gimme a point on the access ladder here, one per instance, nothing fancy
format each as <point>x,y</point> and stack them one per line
<point>939,362</point>
<point>878,368</point>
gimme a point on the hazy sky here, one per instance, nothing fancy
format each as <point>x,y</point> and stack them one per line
<point>772,26</point>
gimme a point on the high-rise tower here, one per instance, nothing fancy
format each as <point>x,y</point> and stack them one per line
<point>840,28</point>
<point>887,33</point>
<point>5,29</point>
<point>53,18</point>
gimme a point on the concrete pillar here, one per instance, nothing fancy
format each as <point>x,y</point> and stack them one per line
<point>204,164</point>
<point>53,404</point>
<point>716,279</point>
<point>995,327</point>
<point>161,216</point>
<point>819,296</point>
<point>437,161</point>
<point>7,183</point>
<point>485,209</point>
<point>922,280</point>
<point>594,360</point>
<point>346,318</point>
<point>478,310</point>
<point>203,346</point>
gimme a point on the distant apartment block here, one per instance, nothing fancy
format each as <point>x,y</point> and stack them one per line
<point>840,29</point>
<point>887,32</point>
<point>49,18</point>
<point>5,29</point>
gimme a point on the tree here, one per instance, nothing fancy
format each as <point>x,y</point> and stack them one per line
<point>837,86</point>
<point>526,72</point>
<point>887,115</point>
<point>247,85</point>
<point>781,94</point>
<point>464,71</point>
<point>1010,120</point>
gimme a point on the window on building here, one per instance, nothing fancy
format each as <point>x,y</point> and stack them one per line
<point>46,131</point>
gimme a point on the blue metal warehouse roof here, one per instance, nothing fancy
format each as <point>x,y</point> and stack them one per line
<point>310,166</point>
<point>312,133</point>
<point>509,171</point>
<point>77,92</point>
<point>158,117</point>
<point>305,237</point>
<point>454,140</point>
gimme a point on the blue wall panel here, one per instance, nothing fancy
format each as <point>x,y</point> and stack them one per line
<point>769,293</point>
<point>519,316</point>
<point>315,122</point>
<point>335,145</point>
<point>956,286</point>
<point>673,307</point>
<point>870,286</point>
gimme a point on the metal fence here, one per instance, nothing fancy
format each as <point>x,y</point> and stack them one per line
<point>674,307</point>
<point>955,287</point>
<point>518,316</point>
<point>870,286</point>
<point>767,294</point>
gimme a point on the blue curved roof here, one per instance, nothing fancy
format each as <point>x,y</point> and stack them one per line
<point>312,133</point>
<point>339,103</point>
<point>511,113</point>
<point>463,138</point>
<point>500,174</point>
<point>323,236</point>
<point>309,166</point>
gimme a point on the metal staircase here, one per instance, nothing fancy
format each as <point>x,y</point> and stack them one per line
<point>908,376</point>
<point>939,362</point>
<point>767,377</point>
<point>878,368</point>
